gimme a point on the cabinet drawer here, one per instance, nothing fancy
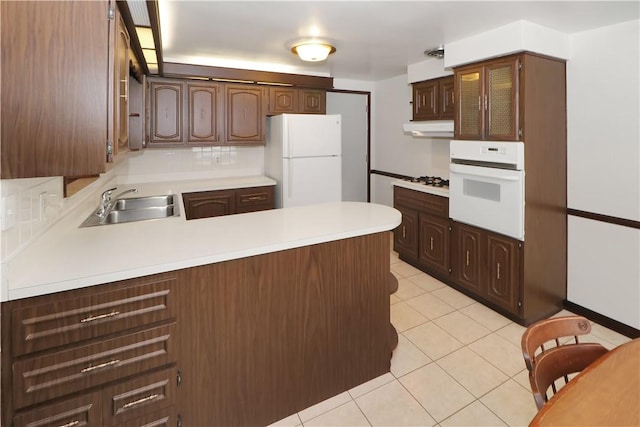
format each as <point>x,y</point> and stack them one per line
<point>69,320</point>
<point>141,397</point>
<point>254,199</point>
<point>424,202</point>
<point>40,378</point>
<point>166,417</point>
<point>80,411</point>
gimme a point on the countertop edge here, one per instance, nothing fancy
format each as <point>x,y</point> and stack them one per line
<point>386,219</point>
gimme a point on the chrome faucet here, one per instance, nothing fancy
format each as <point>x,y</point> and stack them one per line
<point>106,200</point>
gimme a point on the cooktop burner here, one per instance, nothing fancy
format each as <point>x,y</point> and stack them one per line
<point>433,181</point>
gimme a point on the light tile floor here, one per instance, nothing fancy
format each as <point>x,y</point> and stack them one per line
<point>457,363</point>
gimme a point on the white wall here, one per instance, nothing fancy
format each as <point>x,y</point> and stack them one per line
<point>603,132</point>
<point>394,151</point>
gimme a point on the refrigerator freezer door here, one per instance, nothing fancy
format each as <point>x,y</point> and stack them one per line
<point>310,180</point>
<point>311,135</point>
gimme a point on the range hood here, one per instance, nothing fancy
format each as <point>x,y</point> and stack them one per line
<point>430,129</point>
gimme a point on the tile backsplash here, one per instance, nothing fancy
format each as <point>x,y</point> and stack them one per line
<point>28,207</point>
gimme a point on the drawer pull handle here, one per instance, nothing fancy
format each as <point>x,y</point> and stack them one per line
<point>71,424</point>
<point>257,198</point>
<point>100,366</point>
<point>140,401</point>
<point>100,316</point>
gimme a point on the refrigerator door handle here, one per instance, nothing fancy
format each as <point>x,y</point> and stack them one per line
<point>290,186</point>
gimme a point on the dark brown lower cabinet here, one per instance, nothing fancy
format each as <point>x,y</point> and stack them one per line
<point>405,238</point>
<point>434,243</point>
<point>84,410</point>
<point>488,265</point>
<point>241,342</point>
<point>208,204</point>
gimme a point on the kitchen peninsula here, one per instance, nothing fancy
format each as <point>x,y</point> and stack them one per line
<point>234,320</point>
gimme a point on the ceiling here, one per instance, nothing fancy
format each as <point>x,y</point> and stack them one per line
<point>375,40</point>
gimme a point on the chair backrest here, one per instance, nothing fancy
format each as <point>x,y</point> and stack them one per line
<point>560,362</point>
<point>555,330</point>
<point>554,345</point>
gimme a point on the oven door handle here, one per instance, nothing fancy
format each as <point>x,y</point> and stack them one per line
<point>485,172</point>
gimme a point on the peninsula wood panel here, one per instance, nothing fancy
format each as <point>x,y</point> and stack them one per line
<point>266,336</point>
<point>54,88</point>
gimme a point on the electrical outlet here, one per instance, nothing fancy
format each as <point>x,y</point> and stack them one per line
<point>8,211</point>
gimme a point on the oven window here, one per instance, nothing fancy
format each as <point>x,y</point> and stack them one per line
<point>481,189</point>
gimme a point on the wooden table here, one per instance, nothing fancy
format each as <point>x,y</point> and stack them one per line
<point>607,393</point>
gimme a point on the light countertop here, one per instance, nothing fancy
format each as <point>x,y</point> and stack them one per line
<point>68,257</point>
<point>438,191</point>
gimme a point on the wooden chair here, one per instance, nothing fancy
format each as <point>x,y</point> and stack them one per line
<point>563,356</point>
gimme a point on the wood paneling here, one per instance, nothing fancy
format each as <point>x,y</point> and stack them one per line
<point>54,99</point>
<point>543,87</point>
<point>250,76</point>
<point>267,336</point>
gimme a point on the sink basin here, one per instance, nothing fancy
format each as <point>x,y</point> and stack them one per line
<point>154,212</point>
<point>136,209</point>
<point>143,202</point>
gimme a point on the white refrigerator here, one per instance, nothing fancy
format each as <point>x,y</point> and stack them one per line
<point>304,156</point>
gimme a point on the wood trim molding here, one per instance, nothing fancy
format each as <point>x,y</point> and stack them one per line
<point>172,69</point>
<point>605,321</point>
<point>133,36</point>
<point>389,174</point>
<point>604,218</point>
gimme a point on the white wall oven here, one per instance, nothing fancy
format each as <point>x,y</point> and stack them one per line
<point>486,185</point>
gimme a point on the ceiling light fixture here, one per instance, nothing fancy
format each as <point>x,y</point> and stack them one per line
<point>313,51</point>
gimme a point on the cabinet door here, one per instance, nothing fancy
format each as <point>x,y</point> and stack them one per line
<point>466,262</point>
<point>503,265</point>
<point>245,118</point>
<point>446,99</point>
<point>283,100</point>
<point>501,100</point>
<point>313,101</point>
<point>469,109</point>
<point>208,204</point>
<point>425,103</point>
<point>85,410</point>
<point>166,113</point>
<point>434,243</point>
<point>203,113</point>
<point>406,235</point>
<point>54,84</point>
<point>121,84</point>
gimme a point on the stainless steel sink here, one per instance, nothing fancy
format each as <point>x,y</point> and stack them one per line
<point>134,209</point>
<point>143,202</point>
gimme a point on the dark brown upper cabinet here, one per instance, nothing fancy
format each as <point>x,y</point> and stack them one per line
<point>185,112</point>
<point>488,100</point>
<point>433,99</point>
<point>166,99</point>
<point>296,101</point>
<point>204,113</point>
<point>245,115</point>
<point>55,76</point>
